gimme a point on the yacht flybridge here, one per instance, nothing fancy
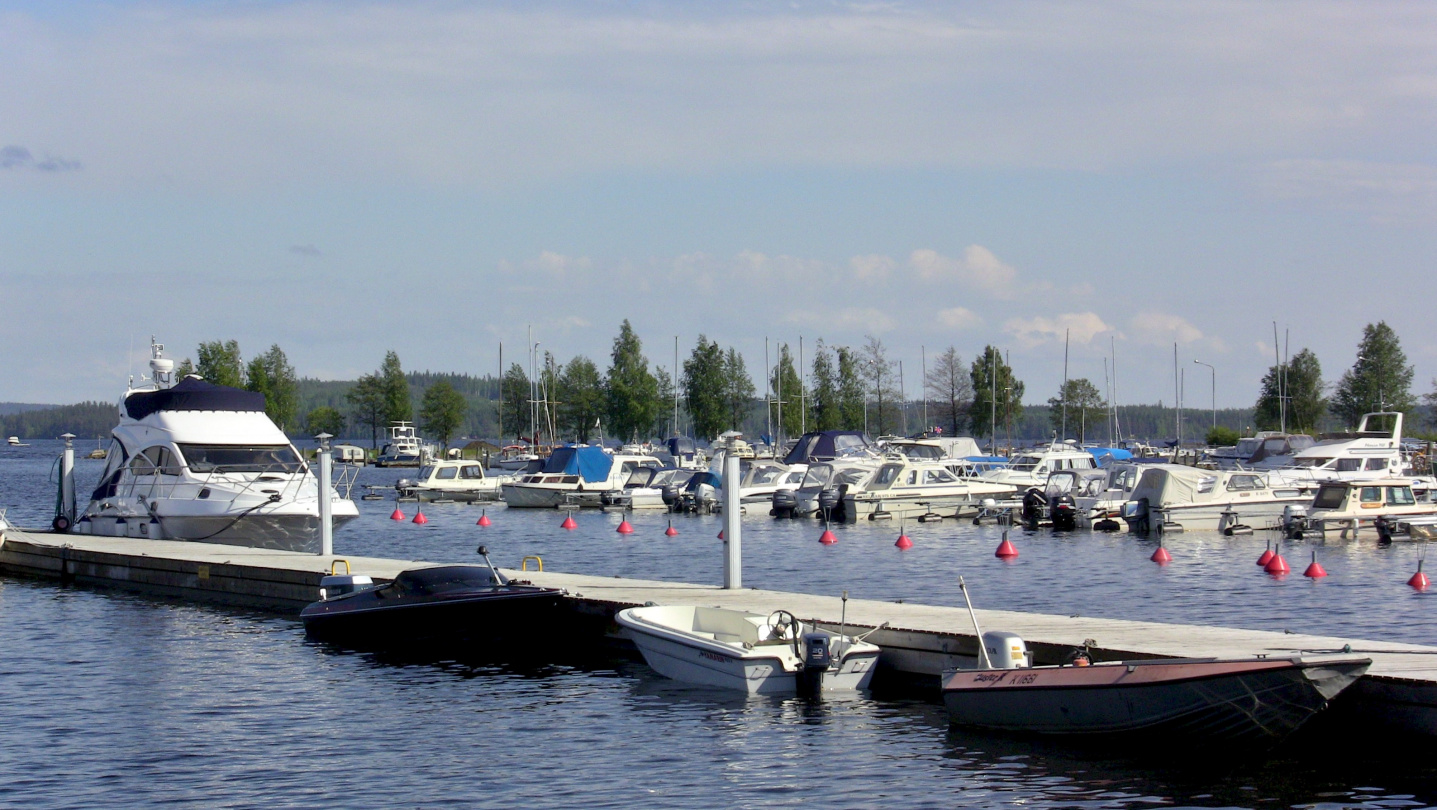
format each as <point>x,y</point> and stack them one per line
<point>203,462</point>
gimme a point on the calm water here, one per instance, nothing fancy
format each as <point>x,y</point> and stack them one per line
<point>117,699</point>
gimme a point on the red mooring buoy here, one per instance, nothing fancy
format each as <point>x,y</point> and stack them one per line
<point>1161,556</point>
<point>420,518</point>
<point>569,522</point>
<point>625,528</point>
<point>720,534</point>
<point>1277,566</point>
<point>903,542</point>
<point>1315,570</point>
<point>1419,579</point>
<point>396,515</point>
<point>1006,549</point>
<point>1266,556</point>
<point>671,531</point>
<point>484,518</point>
<point>827,538</point>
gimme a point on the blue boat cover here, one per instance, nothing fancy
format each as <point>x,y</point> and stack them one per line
<point>1106,454</point>
<point>589,463</point>
<point>193,394</point>
<point>826,445</point>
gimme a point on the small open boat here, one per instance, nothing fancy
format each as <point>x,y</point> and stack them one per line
<point>1238,700</point>
<point>439,605</point>
<point>749,652</point>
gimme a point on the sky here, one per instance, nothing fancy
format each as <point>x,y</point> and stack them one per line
<point>347,178</point>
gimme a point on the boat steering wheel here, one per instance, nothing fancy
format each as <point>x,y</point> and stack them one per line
<point>783,625</point>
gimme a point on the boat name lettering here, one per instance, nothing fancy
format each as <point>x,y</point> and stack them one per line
<point>723,659</point>
<point>994,678</point>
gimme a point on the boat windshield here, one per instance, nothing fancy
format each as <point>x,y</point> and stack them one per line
<point>232,458</point>
<point>1025,463</point>
<point>921,452</point>
<point>444,579</point>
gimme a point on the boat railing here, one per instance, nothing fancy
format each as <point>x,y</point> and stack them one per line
<point>293,484</point>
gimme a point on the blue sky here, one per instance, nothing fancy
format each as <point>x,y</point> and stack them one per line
<point>433,178</point>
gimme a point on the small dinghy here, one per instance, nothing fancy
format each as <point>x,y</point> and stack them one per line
<point>440,605</point>
<point>1189,700</point>
<point>748,652</point>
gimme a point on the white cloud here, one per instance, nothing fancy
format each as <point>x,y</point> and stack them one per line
<point>557,263</point>
<point>872,267</point>
<point>978,268</point>
<point>1079,327</point>
<point>959,318</point>
<point>845,319</point>
<point>1161,328</point>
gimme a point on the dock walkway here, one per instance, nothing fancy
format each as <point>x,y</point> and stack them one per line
<point>919,640</point>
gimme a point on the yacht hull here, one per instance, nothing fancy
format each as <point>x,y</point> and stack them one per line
<point>278,532</point>
<point>520,496</point>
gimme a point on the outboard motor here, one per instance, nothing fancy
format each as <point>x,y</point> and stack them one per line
<point>404,488</point>
<point>785,501</point>
<point>1137,514</point>
<point>1294,521</point>
<point>1005,650</point>
<point>817,658</point>
<point>828,499</point>
<point>670,494</point>
<point>1035,507</point>
<point>1064,512</point>
<point>705,498</point>
<point>1384,530</point>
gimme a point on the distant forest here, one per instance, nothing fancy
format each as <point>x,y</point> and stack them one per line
<point>1144,422</point>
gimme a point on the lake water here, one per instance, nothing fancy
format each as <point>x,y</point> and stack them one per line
<point>122,700</point>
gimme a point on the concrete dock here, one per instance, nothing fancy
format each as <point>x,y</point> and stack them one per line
<point>1399,691</point>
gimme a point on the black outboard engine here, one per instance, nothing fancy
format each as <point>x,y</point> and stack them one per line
<point>817,658</point>
<point>1064,513</point>
<point>784,502</point>
<point>670,494</point>
<point>1035,507</point>
<point>828,499</point>
<point>1384,530</point>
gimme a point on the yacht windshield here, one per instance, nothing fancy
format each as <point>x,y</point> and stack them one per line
<point>1025,463</point>
<point>230,458</point>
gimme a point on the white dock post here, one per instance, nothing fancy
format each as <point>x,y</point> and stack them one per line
<point>732,525</point>
<point>66,508</point>
<point>326,507</point>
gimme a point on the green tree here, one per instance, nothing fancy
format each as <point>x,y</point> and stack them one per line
<point>272,375</point>
<point>1301,379</point>
<point>184,368</point>
<point>324,419</point>
<point>738,388</point>
<point>398,407</point>
<point>632,392</point>
<point>1380,380</point>
<point>852,407</point>
<point>787,407</point>
<point>705,387</point>
<point>882,378</point>
<point>824,402</point>
<point>581,398</point>
<point>1082,400</point>
<point>1222,436</point>
<point>950,390</point>
<point>366,401</point>
<point>993,384</point>
<point>442,411</point>
<point>515,406</point>
<point>220,363</point>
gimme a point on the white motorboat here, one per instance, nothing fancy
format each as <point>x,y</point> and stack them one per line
<point>574,477</point>
<point>1348,507</point>
<point>748,652</point>
<point>1176,497</point>
<point>824,486</point>
<point>1032,469</point>
<point>515,457</point>
<point>203,462</point>
<point>14,441</point>
<point>1374,451</point>
<point>645,489</point>
<point>909,488</point>
<point>452,480</point>
<point>404,448</point>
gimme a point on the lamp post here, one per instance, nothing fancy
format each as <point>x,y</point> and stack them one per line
<point>1214,389</point>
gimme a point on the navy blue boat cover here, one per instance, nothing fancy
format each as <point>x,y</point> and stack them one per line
<point>826,445</point>
<point>589,463</point>
<point>193,394</point>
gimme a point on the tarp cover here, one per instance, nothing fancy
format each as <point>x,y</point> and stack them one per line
<point>193,394</point>
<point>589,463</point>
<point>826,445</point>
<point>1103,455</point>
<point>1169,484</point>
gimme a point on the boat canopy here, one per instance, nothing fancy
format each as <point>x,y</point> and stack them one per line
<point>680,446</point>
<point>193,394</point>
<point>1106,455</point>
<point>589,463</point>
<point>826,445</point>
<point>1176,483</point>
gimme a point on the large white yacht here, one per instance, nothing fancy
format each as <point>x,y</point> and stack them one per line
<point>203,462</point>
<point>1373,451</point>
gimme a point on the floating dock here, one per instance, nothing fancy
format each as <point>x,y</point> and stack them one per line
<point>1399,691</point>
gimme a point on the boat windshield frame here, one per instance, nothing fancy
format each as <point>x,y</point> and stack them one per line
<point>242,458</point>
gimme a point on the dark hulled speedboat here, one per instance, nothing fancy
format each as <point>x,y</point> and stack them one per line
<point>436,606</point>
